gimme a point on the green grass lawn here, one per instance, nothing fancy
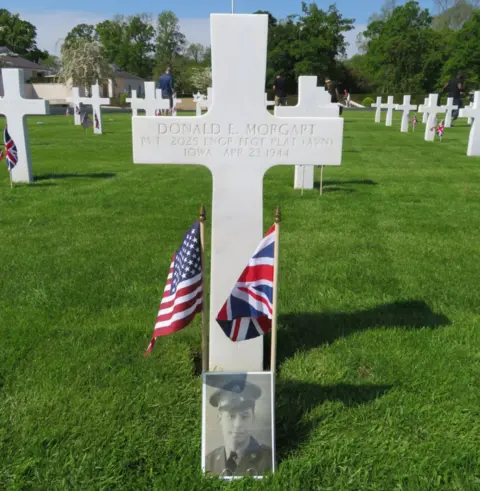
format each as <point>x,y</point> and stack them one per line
<point>378,382</point>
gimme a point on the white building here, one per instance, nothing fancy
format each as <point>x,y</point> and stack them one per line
<point>40,81</point>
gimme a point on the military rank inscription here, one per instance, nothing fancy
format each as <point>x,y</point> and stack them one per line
<point>237,141</point>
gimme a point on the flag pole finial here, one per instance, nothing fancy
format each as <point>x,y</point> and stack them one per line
<point>278,215</point>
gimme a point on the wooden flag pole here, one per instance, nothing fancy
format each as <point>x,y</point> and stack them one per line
<point>273,355</point>
<point>321,180</point>
<point>203,217</point>
<point>303,178</point>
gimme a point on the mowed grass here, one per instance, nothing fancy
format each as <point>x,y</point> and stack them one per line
<point>378,383</point>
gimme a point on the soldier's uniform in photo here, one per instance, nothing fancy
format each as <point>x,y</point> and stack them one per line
<point>256,460</point>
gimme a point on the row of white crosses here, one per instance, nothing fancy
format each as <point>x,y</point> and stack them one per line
<point>96,101</point>
<point>15,107</point>
<point>238,140</point>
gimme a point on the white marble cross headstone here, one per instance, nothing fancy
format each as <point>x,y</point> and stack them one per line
<point>198,100</point>
<point>406,107</point>
<point>389,106</point>
<point>432,109</point>
<point>473,112</point>
<point>449,108</point>
<point>312,101</point>
<point>238,140</point>
<point>148,103</point>
<point>76,106</point>
<point>96,101</point>
<point>425,115</point>
<point>378,112</point>
<point>131,100</point>
<point>15,107</point>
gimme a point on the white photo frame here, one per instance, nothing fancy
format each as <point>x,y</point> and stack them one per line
<point>238,424</point>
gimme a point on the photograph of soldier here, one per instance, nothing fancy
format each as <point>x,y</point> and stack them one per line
<point>238,434</point>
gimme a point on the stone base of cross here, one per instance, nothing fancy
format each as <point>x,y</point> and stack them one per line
<point>15,107</point>
<point>238,140</point>
<point>432,109</point>
<point>406,107</point>
<point>378,111</point>
<point>449,108</point>
<point>473,112</point>
<point>312,101</point>
<point>96,101</point>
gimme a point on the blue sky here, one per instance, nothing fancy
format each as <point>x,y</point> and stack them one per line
<point>56,17</point>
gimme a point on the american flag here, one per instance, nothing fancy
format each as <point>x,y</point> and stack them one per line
<point>247,313</point>
<point>440,129</point>
<point>96,121</point>
<point>85,120</point>
<point>10,150</point>
<point>77,109</point>
<point>183,294</point>
<point>67,111</point>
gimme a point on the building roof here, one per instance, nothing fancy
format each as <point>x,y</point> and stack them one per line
<point>12,60</point>
<point>126,75</point>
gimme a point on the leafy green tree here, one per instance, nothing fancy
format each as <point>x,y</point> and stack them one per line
<point>80,31</point>
<point>19,36</point>
<point>128,43</point>
<point>404,53</point>
<point>320,40</point>
<point>170,43</point>
<point>196,52</point>
<point>464,52</point>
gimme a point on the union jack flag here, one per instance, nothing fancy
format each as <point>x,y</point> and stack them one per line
<point>11,154</point>
<point>414,120</point>
<point>183,293</point>
<point>440,129</point>
<point>96,121</point>
<point>247,313</point>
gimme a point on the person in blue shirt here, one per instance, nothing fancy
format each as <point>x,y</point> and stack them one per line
<point>165,84</point>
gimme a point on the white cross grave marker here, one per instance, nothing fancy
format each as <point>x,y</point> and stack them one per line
<point>148,103</point>
<point>425,115</point>
<point>473,112</point>
<point>312,101</point>
<point>76,106</point>
<point>131,100</point>
<point>15,107</point>
<point>406,107</point>
<point>96,102</point>
<point>198,100</point>
<point>238,140</point>
<point>389,106</point>
<point>449,108</point>
<point>378,112</point>
<point>432,109</point>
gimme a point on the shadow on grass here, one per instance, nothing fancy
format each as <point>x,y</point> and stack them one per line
<point>99,175</point>
<point>294,400</point>
<point>306,331</point>
<point>337,190</point>
<point>367,182</point>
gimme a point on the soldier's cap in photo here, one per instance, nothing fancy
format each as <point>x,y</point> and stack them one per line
<point>236,395</point>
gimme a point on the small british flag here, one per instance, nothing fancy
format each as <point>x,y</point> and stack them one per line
<point>440,129</point>
<point>10,150</point>
<point>247,313</point>
<point>414,121</point>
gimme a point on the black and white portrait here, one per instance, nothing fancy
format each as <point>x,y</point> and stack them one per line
<point>238,424</point>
